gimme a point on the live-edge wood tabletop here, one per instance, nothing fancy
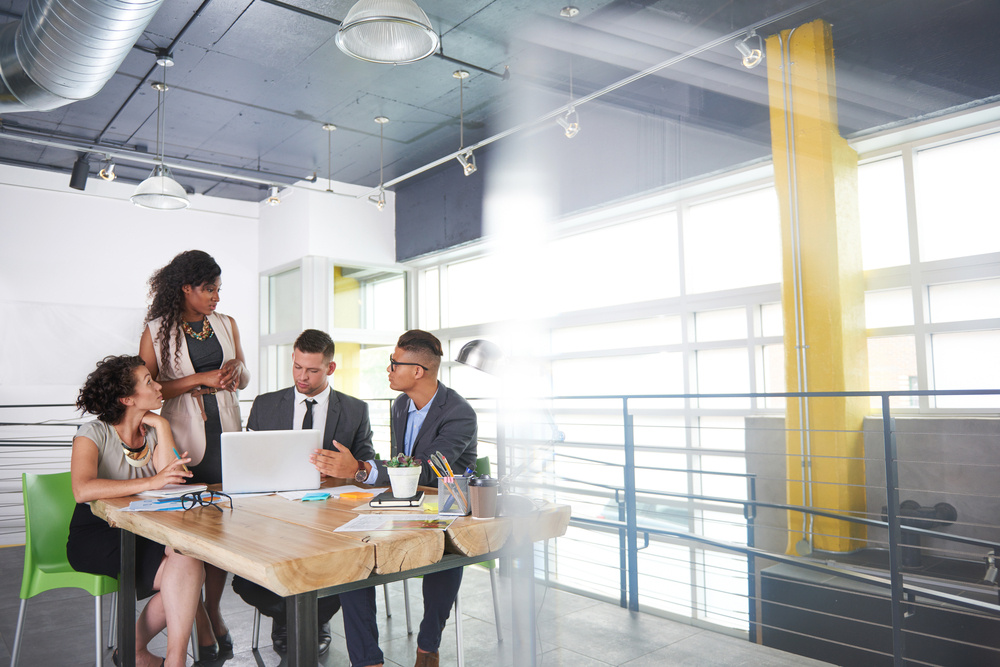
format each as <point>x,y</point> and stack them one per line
<point>289,547</point>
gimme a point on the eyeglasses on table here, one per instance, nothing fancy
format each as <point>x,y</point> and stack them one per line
<point>205,499</point>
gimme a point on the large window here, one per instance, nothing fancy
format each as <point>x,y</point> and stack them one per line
<point>935,325</point>
<point>684,298</point>
<point>362,308</point>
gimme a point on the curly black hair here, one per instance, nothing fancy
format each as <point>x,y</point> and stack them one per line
<point>111,381</point>
<point>166,294</point>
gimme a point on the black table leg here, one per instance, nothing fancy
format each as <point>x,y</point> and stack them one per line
<point>126,601</point>
<point>303,633</point>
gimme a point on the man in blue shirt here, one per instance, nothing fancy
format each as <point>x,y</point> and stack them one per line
<point>427,417</point>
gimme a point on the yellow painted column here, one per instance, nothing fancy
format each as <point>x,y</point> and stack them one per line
<point>347,314</point>
<point>815,174</point>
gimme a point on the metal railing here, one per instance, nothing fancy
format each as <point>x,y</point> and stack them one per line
<point>645,472</point>
<point>906,586</point>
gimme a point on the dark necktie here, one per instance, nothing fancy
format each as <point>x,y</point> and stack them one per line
<point>307,421</point>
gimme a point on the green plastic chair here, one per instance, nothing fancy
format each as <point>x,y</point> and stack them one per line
<point>48,507</point>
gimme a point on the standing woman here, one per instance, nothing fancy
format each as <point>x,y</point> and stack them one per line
<point>117,455</point>
<point>195,355</point>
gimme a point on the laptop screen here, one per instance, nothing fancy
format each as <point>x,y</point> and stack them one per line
<point>267,461</point>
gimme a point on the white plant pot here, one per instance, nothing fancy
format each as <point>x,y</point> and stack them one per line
<point>404,481</point>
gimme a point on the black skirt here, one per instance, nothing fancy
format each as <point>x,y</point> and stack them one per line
<point>95,547</point>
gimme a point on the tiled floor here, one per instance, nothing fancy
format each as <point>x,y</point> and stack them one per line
<point>572,631</point>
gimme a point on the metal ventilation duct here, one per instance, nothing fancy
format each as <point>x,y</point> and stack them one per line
<point>63,51</point>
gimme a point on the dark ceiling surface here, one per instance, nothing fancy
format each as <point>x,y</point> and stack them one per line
<point>254,80</point>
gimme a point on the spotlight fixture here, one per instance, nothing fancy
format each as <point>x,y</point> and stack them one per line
<point>468,162</point>
<point>392,32</point>
<point>160,191</point>
<point>466,159</point>
<point>81,170</point>
<point>107,171</point>
<point>751,48</point>
<point>570,123</point>
<point>379,201</point>
<point>272,198</point>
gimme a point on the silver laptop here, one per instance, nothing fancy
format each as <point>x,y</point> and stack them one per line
<point>266,461</point>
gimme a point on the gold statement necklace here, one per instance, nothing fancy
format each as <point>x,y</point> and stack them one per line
<point>139,456</point>
<point>205,333</point>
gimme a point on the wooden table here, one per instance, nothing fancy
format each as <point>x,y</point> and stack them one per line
<point>289,548</point>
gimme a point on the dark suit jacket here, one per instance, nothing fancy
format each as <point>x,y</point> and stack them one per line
<point>450,428</point>
<point>346,419</point>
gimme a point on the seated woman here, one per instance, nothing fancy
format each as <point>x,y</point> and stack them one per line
<point>129,449</point>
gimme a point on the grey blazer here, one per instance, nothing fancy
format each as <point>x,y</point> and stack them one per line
<point>450,428</point>
<point>346,419</point>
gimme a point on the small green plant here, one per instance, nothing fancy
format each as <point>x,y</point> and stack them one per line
<point>401,460</point>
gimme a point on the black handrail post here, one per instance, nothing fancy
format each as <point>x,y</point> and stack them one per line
<point>630,509</point>
<point>892,510</point>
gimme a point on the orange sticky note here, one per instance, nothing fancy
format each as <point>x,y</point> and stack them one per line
<point>357,495</point>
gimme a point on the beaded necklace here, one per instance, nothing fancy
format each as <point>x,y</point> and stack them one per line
<point>205,333</point>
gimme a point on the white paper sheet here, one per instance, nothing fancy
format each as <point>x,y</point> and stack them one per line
<point>396,521</point>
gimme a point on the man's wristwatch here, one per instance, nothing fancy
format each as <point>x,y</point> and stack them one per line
<point>361,475</point>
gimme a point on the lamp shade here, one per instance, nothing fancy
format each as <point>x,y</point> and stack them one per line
<point>387,31</point>
<point>160,191</point>
<point>480,354</point>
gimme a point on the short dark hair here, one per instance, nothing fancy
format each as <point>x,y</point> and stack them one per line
<point>312,341</point>
<point>424,344</point>
<point>112,380</point>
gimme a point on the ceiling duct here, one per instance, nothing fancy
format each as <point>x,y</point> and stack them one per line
<point>63,51</point>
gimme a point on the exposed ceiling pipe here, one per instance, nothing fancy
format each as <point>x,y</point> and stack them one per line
<point>63,51</point>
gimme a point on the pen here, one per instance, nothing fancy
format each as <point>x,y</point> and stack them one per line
<point>178,456</point>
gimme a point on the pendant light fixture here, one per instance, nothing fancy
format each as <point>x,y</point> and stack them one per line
<point>160,191</point>
<point>751,48</point>
<point>570,121</point>
<point>329,128</point>
<point>392,32</point>
<point>466,159</point>
<point>379,200</point>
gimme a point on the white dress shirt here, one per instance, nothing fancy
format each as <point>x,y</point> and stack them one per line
<point>318,411</point>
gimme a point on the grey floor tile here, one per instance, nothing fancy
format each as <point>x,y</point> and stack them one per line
<point>564,657</point>
<point>710,649</point>
<point>613,634</point>
<point>570,630</point>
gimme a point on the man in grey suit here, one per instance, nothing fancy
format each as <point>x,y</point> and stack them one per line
<point>427,417</point>
<point>310,404</point>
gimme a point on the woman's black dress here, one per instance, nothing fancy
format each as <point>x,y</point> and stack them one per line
<point>206,355</point>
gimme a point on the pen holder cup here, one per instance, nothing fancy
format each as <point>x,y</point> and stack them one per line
<point>453,496</point>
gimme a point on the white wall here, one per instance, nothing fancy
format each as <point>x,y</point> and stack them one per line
<point>74,268</point>
<point>340,226</point>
